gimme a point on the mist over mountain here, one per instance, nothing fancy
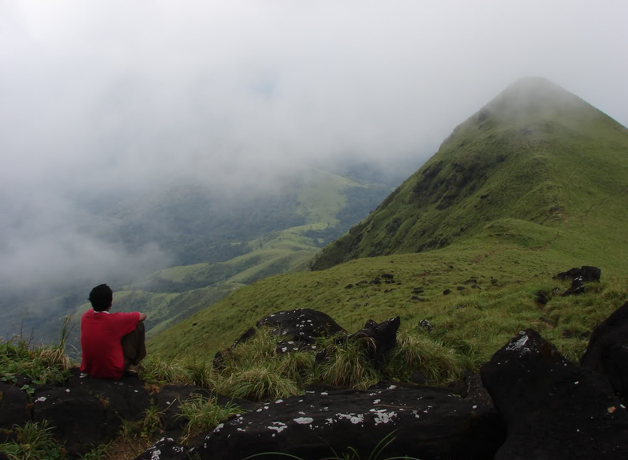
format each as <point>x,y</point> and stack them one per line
<point>109,108</point>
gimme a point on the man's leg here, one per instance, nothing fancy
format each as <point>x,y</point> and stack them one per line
<point>134,346</point>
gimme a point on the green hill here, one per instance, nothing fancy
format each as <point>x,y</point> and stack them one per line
<point>262,236</point>
<point>536,163</point>
<point>532,184</point>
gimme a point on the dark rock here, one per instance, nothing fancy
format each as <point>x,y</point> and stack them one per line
<point>541,298</point>
<point>87,412</point>
<point>415,297</point>
<point>607,351</point>
<point>167,449</point>
<point>14,406</point>
<point>427,423</point>
<point>494,281</point>
<point>384,337</point>
<point>419,378</point>
<point>552,408</point>
<point>425,324</point>
<point>447,291</point>
<point>348,286</point>
<point>388,276</point>
<point>79,419</point>
<point>375,281</point>
<point>471,281</point>
<point>577,287</point>
<point>587,273</point>
<point>460,288</point>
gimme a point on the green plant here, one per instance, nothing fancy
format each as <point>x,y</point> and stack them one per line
<point>151,423</point>
<point>97,452</point>
<point>348,366</point>
<point>33,441</point>
<point>43,364</point>
<point>203,414</point>
<point>417,352</point>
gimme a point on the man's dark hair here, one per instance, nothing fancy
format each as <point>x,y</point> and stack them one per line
<point>101,297</point>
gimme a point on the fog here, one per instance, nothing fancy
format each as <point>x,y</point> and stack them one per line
<point>102,97</point>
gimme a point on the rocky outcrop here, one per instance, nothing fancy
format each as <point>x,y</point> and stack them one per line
<point>383,338</point>
<point>14,407</point>
<point>607,351</point>
<point>424,422</point>
<point>299,329</point>
<point>87,412</point>
<point>587,273</point>
<point>552,408</point>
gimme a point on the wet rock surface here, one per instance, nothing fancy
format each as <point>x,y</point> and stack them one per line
<point>607,351</point>
<point>552,408</point>
<point>427,423</point>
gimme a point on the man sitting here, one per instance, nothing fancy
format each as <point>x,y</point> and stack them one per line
<point>111,342</point>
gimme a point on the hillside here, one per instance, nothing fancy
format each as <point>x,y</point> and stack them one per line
<point>536,160</point>
<point>531,185</point>
<point>259,236</point>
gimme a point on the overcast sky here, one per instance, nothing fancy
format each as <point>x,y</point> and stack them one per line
<point>102,94</point>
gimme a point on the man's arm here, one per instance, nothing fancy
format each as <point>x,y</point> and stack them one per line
<point>142,316</point>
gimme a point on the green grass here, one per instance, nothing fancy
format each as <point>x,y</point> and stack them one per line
<point>33,441</point>
<point>43,364</point>
<point>560,166</point>
<point>203,414</point>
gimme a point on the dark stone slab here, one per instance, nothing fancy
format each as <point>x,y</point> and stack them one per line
<point>426,423</point>
<point>587,273</point>
<point>607,351</point>
<point>552,408</point>
<point>14,406</point>
<point>167,449</point>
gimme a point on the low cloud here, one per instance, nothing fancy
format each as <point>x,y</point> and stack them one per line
<point>107,98</point>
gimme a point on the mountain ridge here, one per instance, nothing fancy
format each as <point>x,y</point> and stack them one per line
<point>505,161</point>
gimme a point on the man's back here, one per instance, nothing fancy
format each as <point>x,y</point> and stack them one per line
<point>101,332</point>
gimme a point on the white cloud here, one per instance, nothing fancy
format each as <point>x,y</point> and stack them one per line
<point>111,94</point>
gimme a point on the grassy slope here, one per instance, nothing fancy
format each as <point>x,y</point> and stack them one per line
<point>537,190</point>
<point>172,294</point>
<point>535,153</point>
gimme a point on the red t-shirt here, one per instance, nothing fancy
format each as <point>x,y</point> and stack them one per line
<point>101,332</point>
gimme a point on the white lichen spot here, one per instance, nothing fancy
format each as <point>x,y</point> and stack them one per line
<point>284,349</point>
<point>324,393</point>
<point>303,420</point>
<point>40,399</point>
<point>377,401</point>
<point>278,427</point>
<point>240,429</point>
<point>519,345</point>
<point>353,418</point>
<point>218,428</point>
<point>392,387</point>
<point>67,390</point>
<point>155,455</point>
<point>384,417</point>
<point>279,401</point>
